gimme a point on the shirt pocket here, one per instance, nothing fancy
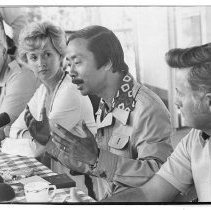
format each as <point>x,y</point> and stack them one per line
<point>119,145</point>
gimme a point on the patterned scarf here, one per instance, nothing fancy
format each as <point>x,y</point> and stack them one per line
<point>124,97</point>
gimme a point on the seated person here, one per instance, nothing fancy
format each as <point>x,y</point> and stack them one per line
<point>134,127</point>
<point>17,86</point>
<point>16,18</point>
<point>190,163</point>
<point>42,48</point>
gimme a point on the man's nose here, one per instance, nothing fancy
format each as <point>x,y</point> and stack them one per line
<point>41,61</point>
<point>72,71</point>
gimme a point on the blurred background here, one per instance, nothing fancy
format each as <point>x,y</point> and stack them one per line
<point>146,34</point>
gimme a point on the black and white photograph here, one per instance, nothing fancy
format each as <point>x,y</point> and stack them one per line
<point>105,104</point>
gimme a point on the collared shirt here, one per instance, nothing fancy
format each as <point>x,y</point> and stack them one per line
<point>123,99</point>
<point>190,164</point>
<point>134,142</point>
<point>17,87</point>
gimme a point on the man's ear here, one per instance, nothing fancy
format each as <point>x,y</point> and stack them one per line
<point>208,99</point>
<point>108,66</point>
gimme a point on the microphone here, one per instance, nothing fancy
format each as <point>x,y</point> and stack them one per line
<point>6,192</point>
<point>1,179</point>
<point>4,119</point>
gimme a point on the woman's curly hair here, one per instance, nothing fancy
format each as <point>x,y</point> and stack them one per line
<point>33,37</point>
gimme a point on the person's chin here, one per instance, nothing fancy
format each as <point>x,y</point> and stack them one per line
<point>84,92</point>
<point>44,79</point>
<point>82,89</point>
<point>43,76</point>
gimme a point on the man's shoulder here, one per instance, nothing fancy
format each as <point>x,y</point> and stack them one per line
<point>192,138</point>
<point>17,68</point>
<point>146,97</point>
<point>144,93</point>
<point>17,71</point>
<point>193,134</point>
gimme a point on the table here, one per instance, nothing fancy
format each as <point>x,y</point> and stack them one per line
<point>16,162</point>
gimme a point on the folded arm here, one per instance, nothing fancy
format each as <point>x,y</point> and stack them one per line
<point>155,190</point>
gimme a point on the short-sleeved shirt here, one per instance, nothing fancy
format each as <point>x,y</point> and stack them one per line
<point>190,164</point>
<point>17,87</point>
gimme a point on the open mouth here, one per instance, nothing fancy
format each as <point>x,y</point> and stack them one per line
<point>77,81</point>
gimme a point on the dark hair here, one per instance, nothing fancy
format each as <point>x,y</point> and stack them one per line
<point>105,46</point>
<point>198,59</point>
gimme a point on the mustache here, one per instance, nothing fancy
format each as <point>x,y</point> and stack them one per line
<point>43,69</point>
<point>77,81</point>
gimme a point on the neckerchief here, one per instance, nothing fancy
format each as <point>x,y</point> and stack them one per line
<point>123,99</point>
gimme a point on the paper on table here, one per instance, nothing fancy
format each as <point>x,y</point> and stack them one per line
<point>23,147</point>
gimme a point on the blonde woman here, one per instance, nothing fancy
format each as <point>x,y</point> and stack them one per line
<point>42,47</point>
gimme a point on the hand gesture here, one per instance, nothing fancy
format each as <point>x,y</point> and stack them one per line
<point>39,130</point>
<point>81,149</point>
